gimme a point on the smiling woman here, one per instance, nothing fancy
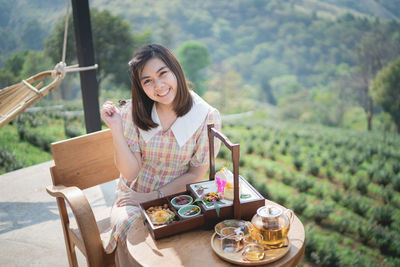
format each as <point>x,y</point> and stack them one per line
<point>160,139</point>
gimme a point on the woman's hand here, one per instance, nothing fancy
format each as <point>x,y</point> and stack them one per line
<point>111,116</point>
<point>134,198</point>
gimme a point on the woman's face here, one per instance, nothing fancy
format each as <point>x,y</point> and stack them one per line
<point>159,82</point>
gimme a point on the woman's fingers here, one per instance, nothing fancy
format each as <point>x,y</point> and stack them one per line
<point>126,199</point>
<point>109,108</point>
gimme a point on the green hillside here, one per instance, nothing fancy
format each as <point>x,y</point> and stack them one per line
<point>302,56</point>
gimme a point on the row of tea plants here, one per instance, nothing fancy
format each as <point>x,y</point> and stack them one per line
<point>26,140</point>
<point>343,185</point>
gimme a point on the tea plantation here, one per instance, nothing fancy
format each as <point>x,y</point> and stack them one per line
<point>343,185</point>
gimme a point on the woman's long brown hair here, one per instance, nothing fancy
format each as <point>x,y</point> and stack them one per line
<point>141,103</point>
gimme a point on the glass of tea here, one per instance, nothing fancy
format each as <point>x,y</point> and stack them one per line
<point>253,252</point>
<point>231,239</point>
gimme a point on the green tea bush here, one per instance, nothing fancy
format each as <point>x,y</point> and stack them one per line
<point>338,165</point>
<point>346,182</point>
<point>396,166</point>
<point>365,232</point>
<point>358,206</point>
<point>298,163</point>
<point>295,151</point>
<point>283,150</point>
<point>371,171</point>
<point>280,199</point>
<point>332,153</point>
<point>313,168</point>
<point>72,131</point>
<point>270,172</point>
<point>387,194</point>
<point>8,162</point>
<point>383,215</point>
<point>362,185</point>
<point>299,204</point>
<point>312,243</point>
<point>224,153</point>
<point>342,225</point>
<point>324,160</point>
<point>250,148</point>
<point>383,177</point>
<point>396,183</point>
<point>336,195</point>
<point>287,178</point>
<point>329,174</point>
<point>263,190</point>
<point>327,255</point>
<point>385,241</point>
<point>321,212</point>
<point>39,139</point>
<point>303,184</point>
<point>352,169</point>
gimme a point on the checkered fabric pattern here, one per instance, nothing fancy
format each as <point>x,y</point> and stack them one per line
<point>163,160</point>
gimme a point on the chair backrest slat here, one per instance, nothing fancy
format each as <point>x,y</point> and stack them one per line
<point>84,161</point>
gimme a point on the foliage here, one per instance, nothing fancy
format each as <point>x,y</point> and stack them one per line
<point>194,57</point>
<point>385,90</point>
<point>8,161</point>
<point>113,41</point>
<point>299,204</point>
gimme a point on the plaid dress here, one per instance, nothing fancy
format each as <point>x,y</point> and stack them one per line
<point>163,160</point>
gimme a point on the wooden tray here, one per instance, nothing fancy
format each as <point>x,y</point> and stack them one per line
<point>179,225</point>
<point>271,255</point>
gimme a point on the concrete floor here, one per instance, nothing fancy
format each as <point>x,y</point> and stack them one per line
<point>30,228</point>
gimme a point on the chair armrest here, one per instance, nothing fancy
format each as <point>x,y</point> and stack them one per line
<point>83,215</point>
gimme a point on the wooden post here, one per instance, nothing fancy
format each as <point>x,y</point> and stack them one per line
<point>234,148</point>
<point>85,54</point>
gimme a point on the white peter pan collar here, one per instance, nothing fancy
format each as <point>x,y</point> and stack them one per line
<point>184,127</point>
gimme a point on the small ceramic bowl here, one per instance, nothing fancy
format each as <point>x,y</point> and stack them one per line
<point>189,211</point>
<point>181,201</point>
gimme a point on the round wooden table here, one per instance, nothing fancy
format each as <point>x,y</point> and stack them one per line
<point>193,248</point>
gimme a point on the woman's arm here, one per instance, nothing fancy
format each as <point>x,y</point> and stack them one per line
<point>194,174</point>
<point>127,163</point>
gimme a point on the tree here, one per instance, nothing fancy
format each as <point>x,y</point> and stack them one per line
<point>376,49</point>
<point>32,35</point>
<point>266,92</point>
<point>385,90</point>
<point>11,71</point>
<point>194,57</point>
<point>113,43</point>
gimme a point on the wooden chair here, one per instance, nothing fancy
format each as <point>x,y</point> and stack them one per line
<point>81,163</point>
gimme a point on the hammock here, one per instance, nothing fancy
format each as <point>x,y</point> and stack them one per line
<point>16,98</point>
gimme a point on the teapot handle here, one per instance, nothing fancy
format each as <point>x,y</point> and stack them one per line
<point>290,214</point>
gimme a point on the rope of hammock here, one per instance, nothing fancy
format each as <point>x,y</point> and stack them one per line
<point>61,68</point>
<point>16,98</point>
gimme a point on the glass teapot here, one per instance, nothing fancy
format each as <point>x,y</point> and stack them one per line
<point>273,223</point>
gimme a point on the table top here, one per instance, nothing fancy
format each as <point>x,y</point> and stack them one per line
<point>193,248</point>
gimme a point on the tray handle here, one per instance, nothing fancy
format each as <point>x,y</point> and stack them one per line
<point>234,148</point>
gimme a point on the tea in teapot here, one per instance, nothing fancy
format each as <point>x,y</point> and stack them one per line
<point>273,224</point>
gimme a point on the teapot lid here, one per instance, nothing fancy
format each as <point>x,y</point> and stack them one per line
<point>269,211</point>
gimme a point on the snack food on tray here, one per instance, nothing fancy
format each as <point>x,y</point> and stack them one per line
<point>228,191</point>
<point>212,196</point>
<point>227,175</point>
<point>160,214</point>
